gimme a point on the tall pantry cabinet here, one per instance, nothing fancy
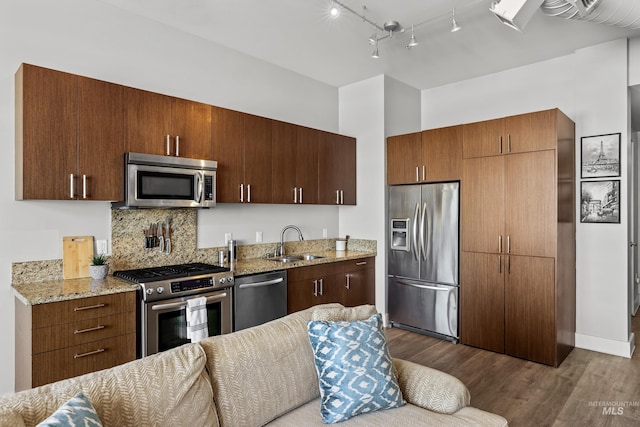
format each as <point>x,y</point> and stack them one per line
<point>517,263</point>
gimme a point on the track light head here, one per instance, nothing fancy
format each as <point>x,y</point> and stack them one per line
<point>454,24</point>
<point>375,53</point>
<point>412,42</point>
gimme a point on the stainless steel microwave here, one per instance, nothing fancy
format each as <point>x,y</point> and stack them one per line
<point>153,181</point>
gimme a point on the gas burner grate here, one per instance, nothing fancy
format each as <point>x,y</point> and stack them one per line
<point>152,274</point>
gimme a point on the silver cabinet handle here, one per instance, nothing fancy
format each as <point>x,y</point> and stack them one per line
<point>337,197</point>
<point>259,284</point>
<point>88,307</point>
<point>508,244</point>
<point>82,331</point>
<point>424,175</point>
<point>248,193</point>
<point>88,353</point>
<point>72,195</point>
<point>348,281</point>
<point>508,143</point>
<point>417,174</point>
<point>84,186</point>
<point>300,195</point>
<point>295,194</point>
<point>177,146</point>
<point>321,286</point>
<point>342,197</point>
<point>315,288</point>
<point>241,193</point>
<point>168,144</point>
<point>361,263</point>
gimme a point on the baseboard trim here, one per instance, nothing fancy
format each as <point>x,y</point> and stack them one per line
<point>603,345</point>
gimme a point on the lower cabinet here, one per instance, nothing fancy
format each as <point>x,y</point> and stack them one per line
<point>509,304</point>
<point>349,283</point>
<point>64,339</point>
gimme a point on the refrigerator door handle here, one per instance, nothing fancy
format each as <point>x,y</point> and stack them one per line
<point>416,249</point>
<point>423,231</point>
<point>415,285</point>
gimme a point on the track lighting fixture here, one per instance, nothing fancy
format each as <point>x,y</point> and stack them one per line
<point>454,25</point>
<point>390,28</point>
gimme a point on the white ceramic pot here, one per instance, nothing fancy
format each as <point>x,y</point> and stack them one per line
<point>341,245</point>
<point>98,272</point>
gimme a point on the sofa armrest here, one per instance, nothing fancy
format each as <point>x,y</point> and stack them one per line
<point>431,389</point>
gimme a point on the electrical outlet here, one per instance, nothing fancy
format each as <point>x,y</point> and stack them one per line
<point>227,237</point>
<point>102,246</point>
<point>324,233</point>
<point>258,236</point>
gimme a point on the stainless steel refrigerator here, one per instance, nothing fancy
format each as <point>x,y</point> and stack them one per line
<point>423,254</point>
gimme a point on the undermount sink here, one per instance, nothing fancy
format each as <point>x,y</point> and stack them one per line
<point>292,258</point>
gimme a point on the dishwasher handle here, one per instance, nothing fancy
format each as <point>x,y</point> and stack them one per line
<point>260,284</point>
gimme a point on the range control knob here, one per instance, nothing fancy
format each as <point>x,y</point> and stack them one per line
<point>149,291</point>
<point>230,279</point>
<point>222,280</point>
<point>160,290</point>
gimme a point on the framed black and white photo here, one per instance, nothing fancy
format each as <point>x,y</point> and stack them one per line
<point>600,156</point>
<point>600,201</point>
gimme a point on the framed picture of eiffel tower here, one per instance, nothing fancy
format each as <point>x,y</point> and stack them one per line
<point>600,156</point>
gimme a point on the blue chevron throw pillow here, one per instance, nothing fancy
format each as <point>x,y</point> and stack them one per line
<point>77,411</point>
<point>354,368</point>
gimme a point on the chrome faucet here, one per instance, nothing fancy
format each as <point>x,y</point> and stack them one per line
<point>280,249</point>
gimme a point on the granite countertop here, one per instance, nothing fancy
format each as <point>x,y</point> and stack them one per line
<point>34,293</point>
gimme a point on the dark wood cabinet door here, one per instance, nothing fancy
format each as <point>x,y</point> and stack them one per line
<point>532,132</point>
<point>284,137</point>
<point>482,295</point>
<point>257,159</point>
<point>100,139</point>
<point>331,288</point>
<point>46,133</point>
<point>302,294</point>
<point>191,121</point>
<point>147,121</point>
<point>308,141</point>
<point>482,202</point>
<point>359,286</point>
<point>328,192</point>
<point>483,139</point>
<point>227,136</point>
<point>336,170</point>
<point>530,314</point>
<point>531,218</point>
<point>404,154</point>
<point>442,154</point>
<point>346,173</point>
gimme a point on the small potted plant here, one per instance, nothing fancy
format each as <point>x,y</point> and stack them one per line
<point>99,267</point>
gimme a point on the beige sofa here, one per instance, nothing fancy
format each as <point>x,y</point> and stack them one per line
<point>257,376</point>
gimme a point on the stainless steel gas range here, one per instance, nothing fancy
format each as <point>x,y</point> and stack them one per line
<point>164,294</point>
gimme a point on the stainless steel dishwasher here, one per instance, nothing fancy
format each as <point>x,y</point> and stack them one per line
<point>259,298</point>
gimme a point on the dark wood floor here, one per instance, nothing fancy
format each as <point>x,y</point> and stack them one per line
<point>588,389</point>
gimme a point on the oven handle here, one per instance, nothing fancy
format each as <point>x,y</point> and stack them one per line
<point>259,284</point>
<point>180,304</point>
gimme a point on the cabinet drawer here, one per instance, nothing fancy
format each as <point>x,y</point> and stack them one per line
<point>83,331</point>
<point>358,264</point>
<point>57,313</point>
<point>313,271</point>
<point>81,359</point>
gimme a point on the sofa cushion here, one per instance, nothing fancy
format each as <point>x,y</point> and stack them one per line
<point>335,314</point>
<point>308,415</point>
<point>165,389</point>
<point>10,418</point>
<point>260,373</point>
<point>354,368</point>
<point>77,411</point>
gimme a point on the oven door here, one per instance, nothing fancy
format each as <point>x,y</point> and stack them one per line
<point>164,323</point>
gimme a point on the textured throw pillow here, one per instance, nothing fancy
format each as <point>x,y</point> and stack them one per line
<point>354,368</point>
<point>77,411</point>
<point>335,314</point>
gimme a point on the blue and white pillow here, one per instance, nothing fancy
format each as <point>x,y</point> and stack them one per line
<point>77,411</point>
<point>354,368</point>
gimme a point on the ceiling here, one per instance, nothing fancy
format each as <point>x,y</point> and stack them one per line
<point>299,35</point>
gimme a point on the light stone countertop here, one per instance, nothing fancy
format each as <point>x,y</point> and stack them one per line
<point>34,293</point>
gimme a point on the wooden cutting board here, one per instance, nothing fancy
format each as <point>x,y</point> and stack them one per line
<point>77,252</point>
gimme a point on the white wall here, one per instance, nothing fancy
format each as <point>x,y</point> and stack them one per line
<point>590,86</point>
<point>90,38</point>
<point>372,110</point>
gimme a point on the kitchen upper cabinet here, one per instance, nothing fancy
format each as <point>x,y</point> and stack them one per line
<point>337,170</point>
<point>433,155</point>
<point>295,163</point>
<point>164,125</point>
<point>514,134</point>
<point>242,148</point>
<point>69,136</point>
